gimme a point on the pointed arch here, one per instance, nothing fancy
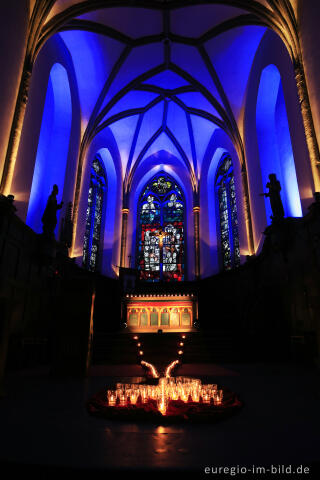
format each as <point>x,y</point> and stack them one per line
<point>227,215</point>
<point>93,237</point>
<point>53,145</point>
<point>160,232</point>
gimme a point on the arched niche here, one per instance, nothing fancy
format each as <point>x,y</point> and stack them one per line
<point>53,145</point>
<point>168,163</point>
<point>274,141</point>
<point>54,52</point>
<point>285,105</point>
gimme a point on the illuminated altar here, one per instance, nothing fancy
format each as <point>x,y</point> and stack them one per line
<point>149,313</point>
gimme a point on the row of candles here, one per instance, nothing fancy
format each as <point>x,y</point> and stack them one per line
<point>140,351</point>
<point>168,389</point>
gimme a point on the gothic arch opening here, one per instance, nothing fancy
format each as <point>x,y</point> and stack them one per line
<point>226,214</point>
<point>161,230</point>
<point>95,216</point>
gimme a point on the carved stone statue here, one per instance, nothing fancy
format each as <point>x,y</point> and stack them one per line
<point>275,199</point>
<point>49,217</point>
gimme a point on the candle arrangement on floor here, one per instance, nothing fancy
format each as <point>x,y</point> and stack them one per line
<point>187,390</point>
<point>172,399</point>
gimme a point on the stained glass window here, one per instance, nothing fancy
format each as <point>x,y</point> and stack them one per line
<point>227,218</point>
<point>160,245</point>
<point>94,216</point>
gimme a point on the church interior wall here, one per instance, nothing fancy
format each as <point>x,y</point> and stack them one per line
<point>255,293</point>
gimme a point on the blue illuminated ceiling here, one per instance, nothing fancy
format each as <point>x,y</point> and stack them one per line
<point>161,78</point>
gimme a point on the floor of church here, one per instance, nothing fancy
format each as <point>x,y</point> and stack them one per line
<point>46,429</point>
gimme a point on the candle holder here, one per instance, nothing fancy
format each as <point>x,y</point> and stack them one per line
<point>112,398</point>
<point>123,399</point>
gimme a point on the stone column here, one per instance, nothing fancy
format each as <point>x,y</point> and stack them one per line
<point>196,217</point>
<point>310,133</point>
<point>125,213</point>
<point>247,210</point>
<point>16,129</point>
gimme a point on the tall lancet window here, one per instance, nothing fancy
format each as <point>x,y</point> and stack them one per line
<point>160,242</point>
<point>227,218</point>
<point>94,216</point>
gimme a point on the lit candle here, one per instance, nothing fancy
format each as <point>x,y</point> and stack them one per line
<point>206,398</point>
<point>195,396</point>
<point>111,398</point>
<point>184,396</point>
<point>162,405</point>
<point>133,398</point>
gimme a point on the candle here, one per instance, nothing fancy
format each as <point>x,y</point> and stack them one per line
<point>133,398</point>
<point>111,398</point>
<point>184,396</point>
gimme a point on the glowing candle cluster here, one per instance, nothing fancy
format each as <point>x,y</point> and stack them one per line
<point>168,389</point>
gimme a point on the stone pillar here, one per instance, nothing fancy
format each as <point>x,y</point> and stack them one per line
<point>125,213</point>
<point>196,217</point>
<point>247,210</point>
<point>16,129</point>
<point>310,133</point>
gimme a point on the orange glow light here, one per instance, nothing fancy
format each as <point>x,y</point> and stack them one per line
<point>180,352</point>
<point>152,368</point>
<point>170,367</point>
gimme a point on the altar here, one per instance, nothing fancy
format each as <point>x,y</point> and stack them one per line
<point>149,313</point>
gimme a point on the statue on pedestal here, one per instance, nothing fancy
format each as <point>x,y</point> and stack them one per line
<point>275,199</point>
<point>49,217</point>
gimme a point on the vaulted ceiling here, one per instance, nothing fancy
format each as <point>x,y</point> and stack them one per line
<point>162,75</point>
